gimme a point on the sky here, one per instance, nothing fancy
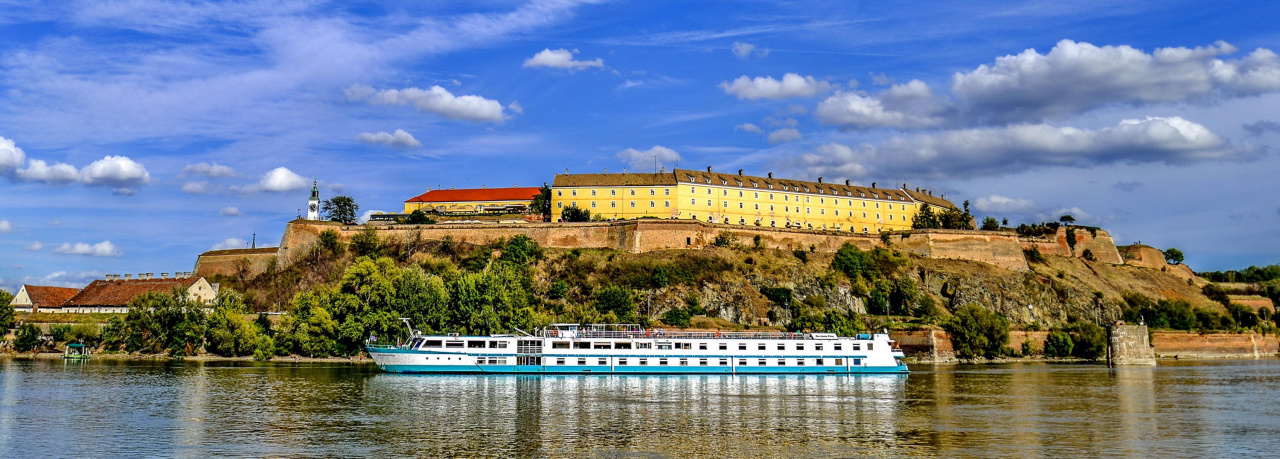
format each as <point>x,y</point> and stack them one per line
<point>135,135</point>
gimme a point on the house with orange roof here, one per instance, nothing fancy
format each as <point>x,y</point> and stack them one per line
<point>514,199</point>
<point>41,298</point>
<point>114,294</point>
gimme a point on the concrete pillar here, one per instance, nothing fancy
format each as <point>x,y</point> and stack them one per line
<point>1129,345</point>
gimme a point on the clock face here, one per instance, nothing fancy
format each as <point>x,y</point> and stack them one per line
<point>313,207</point>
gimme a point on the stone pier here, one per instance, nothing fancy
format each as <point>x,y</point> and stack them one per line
<point>1129,345</point>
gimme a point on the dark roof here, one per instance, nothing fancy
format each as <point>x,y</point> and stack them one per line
<point>790,186</point>
<point>477,195</point>
<point>49,297</point>
<point>120,292</point>
<point>931,200</point>
<point>623,179</point>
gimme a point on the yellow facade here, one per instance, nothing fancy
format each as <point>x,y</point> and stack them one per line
<point>740,200</point>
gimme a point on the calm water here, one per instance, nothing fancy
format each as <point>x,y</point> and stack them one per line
<point>109,408</point>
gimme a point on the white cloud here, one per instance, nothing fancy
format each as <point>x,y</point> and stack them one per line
<point>364,217</point>
<point>791,85</point>
<point>1011,149</point>
<point>515,107</point>
<point>101,249</point>
<point>748,127</point>
<point>34,246</point>
<point>231,243</point>
<point>211,170</point>
<point>1082,217</point>
<point>5,226</point>
<point>1075,77</point>
<point>644,160</point>
<point>11,157</point>
<point>229,211</point>
<point>200,187</point>
<point>903,106</point>
<point>560,59</point>
<point>115,171</point>
<point>435,99</point>
<point>882,79</point>
<point>744,50</point>
<point>1003,204</point>
<point>398,139</point>
<point>784,135</point>
<point>57,174</point>
<point>281,179</point>
<point>123,192</point>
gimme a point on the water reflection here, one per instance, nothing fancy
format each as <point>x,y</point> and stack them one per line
<point>121,408</point>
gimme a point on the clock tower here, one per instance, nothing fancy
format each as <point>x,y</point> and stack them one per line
<point>313,204</point>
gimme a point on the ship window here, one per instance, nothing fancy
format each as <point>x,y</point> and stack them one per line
<point>782,347</point>
<point>724,362</point>
<point>433,343</point>
<point>604,362</point>
<point>724,346</point>
<point>800,362</point>
<point>782,362</point>
<point>871,346</point>
<point>602,345</point>
<point>702,346</point>
<point>684,362</point>
<point>622,361</point>
<point>742,346</point>
<point>582,361</point>
<point>742,362</point>
<point>644,361</point>
<point>857,362</point>
<point>837,346</point>
<point>622,345</point>
<point>839,361</point>
<point>559,361</point>
<point>664,346</point>
<point>644,346</point>
<point>856,347</point>
<point>702,362</point>
<point>560,345</point>
<point>817,347</point>
<point>684,345</point>
<point>662,362</point>
<point>498,344</point>
<point>760,347</point>
<point>475,344</point>
<point>800,346</point>
<point>582,345</point>
<point>453,344</point>
<point>762,362</point>
<point>818,362</point>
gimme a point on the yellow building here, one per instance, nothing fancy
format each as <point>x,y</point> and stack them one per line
<point>741,200</point>
<point>512,199</point>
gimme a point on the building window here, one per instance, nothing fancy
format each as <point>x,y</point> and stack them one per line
<point>739,193</point>
<point>593,204</point>
<point>559,205</point>
<point>740,205</point>
<point>573,192</point>
<point>613,204</point>
<point>651,192</point>
<point>708,203</point>
<point>651,204</point>
<point>757,195</point>
<point>613,192</point>
<point>666,192</point>
<point>633,192</point>
<point>693,189</point>
<point>666,203</point>
<point>633,204</point>
<point>593,192</point>
<point>559,193</point>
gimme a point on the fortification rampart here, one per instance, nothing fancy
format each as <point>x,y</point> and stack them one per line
<point>1146,256</point>
<point>234,262</point>
<point>1096,241</point>
<point>998,248</point>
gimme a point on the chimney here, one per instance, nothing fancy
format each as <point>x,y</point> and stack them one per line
<point>819,179</point>
<point>771,175</point>
<point>708,168</point>
<point>846,183</point>
<point>873,185</point>
<point>664,170</point>
<point>128,276</point>
<point>164,275</point>
<point>739,171</point>
<point>151,276</point>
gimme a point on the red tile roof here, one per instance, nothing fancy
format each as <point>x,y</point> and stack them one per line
<point>49,297</point>
<point>477,195</point>
<point>120,292</point>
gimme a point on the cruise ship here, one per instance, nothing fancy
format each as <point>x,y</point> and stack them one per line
<point>631,349</point>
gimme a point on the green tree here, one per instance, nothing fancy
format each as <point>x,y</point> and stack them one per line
<point>26,338</point>
<point>978,332</point>
<point>330,242</point>
<point>990,224</point>
<point>418,217</point>
<point>60,332</point>
<point>619,301</point>
<point>1174,256</point>
<point>541,204</point>
<point>340,209</point>
<point>676,317</point>
<point>575,214</point>
<point>6,310</point>
<point>1067,219</point>
<point>520,250</point>
<point>1089,341</point>
<point>1058,344</point>
<point>366,242</point>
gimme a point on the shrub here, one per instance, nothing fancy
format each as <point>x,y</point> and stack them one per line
<point>725,239</point>
<point>366,242</point>
<point>1033,255</point>
<point>520,250</point>
<point>418,217</point>
<point>694,306</point>
<point>616,300</point>
<point>1029,349</point>
<point>756,242</point>
<point>676,317</point>
<point>1088,340</point>
<point>558,290</point>
<point>26,338</point>
<point>575,214</point>
<point>978,332</point>
<point>990,224</point>
<point>802,255</point>
<point>780,296</point>
<point>1058,344</point>
<point>1088,255</point>
<point>60,332</point>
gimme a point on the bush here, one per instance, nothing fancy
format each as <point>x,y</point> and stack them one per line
<point>694,306</point>
<point>990,224</point>
<point>26,338</point>
<point>978,332</point>
<point>1033,255</point>
<point>558,290</point>
<point>616,300</point>
<point>802,255</point>
<point>520,250</point>
<point>676,317</point>
<point>366,243</point>
<point>725,239</point>
<point>1029,349</point>
<point>1088,340</point>
<point>1058,344</point>
<point>60,332</point>
<point>575,214</point>
<point>1088,255</point>
<point>418,217</point>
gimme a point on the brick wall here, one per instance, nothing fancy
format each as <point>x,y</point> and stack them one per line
<point>1195,345</point>
<point>998,248</point>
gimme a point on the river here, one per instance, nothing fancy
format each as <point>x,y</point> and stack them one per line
<point>118,408</point>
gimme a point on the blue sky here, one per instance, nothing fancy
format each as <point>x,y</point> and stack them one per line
<point>135,135</point>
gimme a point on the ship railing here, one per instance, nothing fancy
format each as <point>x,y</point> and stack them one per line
<point>662,334</point>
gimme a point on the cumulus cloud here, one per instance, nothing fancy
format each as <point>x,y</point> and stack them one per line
<point>784,135</point>
<point>435,99</point>
<point>5,226</point>
<point>748,127</point>
<point>882,79</point>
<point>1011,149</point>
<point>791,85</point>
<point>1074,77</point>
<point>115,171</point>
<point>1005,205</point>
<point>230,243</point>
<point>905,106</point>
<point>229,211</point>
<point>101,249</point>
<point>281,179</point>
<point>744,50</point>
<point>560,59</point>
<point>57,174</point>
<point>397,139</point>
<point>644,160</point>
<point>1261,127</point>
<point>211,170</point>
<point>200,187</point>
<point>1082,217</point>
<point>364,217</point>
<point>34,246</point>
<point>11,157</point>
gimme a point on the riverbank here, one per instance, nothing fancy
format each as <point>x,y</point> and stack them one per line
<point>934,346</point>
<point>358,360</point>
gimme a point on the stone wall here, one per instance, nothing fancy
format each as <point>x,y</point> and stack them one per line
<point>1146,256</point>
<point>935,345</point>
<point>229,262</point>
<point>998,248</point>
<point>1174,344</point>
<point>1129,345</point>
<point>1100,245</point>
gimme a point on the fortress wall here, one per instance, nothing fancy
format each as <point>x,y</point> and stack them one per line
<point>1213,345</point>
<point>1150,257</point>
<point>1102,246</point>
<point>997,248</point>
<point>228,262</point>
